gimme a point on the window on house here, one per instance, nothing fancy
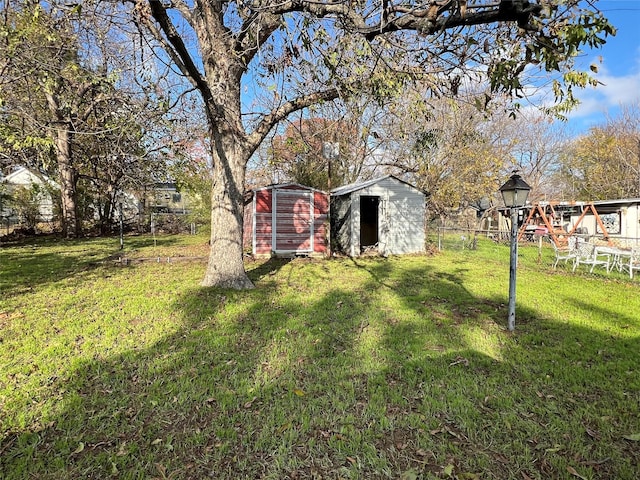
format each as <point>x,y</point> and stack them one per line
<point>611,222</point>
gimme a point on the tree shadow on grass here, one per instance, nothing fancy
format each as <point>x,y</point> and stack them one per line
<point>36,262</point>
<point>341,384</point>
<point>30,265</point>
<point>267,268</point>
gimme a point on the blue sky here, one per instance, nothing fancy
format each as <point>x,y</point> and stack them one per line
<point>619,70</point>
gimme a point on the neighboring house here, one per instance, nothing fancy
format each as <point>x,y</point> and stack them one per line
<point>286,219</point>
<point>615,219</point>
<point>40,188</point>
<point>166,198</point>
<point>386,215</point>
<point>620,218</point>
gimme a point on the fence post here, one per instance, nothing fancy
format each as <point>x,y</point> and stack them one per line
<point>121,227</point>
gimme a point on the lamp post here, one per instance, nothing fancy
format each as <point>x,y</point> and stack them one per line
<point>514,193</point>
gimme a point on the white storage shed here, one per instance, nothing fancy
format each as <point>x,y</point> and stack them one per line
<point>385,215</point>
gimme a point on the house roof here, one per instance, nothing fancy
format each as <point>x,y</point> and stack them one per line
<point>596,203</point>
<point>23,176</point>
<point>353,187</point>
<point>622,201</point>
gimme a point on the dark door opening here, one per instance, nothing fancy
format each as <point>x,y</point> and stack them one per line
<point>369,221</point>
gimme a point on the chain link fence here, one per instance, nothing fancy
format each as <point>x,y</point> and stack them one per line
<point>459,238</point>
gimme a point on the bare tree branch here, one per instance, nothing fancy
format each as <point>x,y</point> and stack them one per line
<point>283,111</point>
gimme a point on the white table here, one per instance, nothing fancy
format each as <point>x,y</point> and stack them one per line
<point>617,255</point>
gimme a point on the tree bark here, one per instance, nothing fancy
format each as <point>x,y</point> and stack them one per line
<point>226,260</point>
<point>67,175</point>
<point>230,152</point>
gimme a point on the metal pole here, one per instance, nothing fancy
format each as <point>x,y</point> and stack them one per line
<point>638,194</point>
<point>512,269</point>
<point>121,228</point>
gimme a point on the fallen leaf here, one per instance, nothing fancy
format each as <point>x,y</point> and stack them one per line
<point>525,476</point>
<point>633,437</point>
<point>283,427</point>
<point>162,470</point>
<point>595,463</point>
<point>351,460</point>
<point>250,402</point>
<point>573,472</point>
<point>409,475</point>
<point>79,449</point>
<point>422,453</point>
<point>592,433</point>
<point>121,451</point>
<point>156,441</point>
<point>460,360</point>
<point>299,392</point>
<point>448,470</point>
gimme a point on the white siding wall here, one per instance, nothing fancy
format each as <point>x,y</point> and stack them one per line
<point>629,222</point>
<point>407,210</point>
<point>24,178</point>
<point>354,228</point>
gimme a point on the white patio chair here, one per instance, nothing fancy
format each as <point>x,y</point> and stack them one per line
<point>587,255</point>
<point>634,262</point>
<point>564,254</point>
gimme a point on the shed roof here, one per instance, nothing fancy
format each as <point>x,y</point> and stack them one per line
<point>286,185</point>
<point>353,187</point>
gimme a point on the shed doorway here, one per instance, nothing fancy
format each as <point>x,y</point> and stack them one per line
<point>369,221</point>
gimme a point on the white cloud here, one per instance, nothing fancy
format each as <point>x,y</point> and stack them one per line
<point>619,74</point>
<point>603,99</point>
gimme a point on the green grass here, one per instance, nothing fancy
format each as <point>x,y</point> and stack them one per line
<point>371,368</point>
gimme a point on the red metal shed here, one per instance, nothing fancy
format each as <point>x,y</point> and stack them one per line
<point>286,219</point>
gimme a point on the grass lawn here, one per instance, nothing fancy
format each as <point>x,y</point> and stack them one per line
<point>372,368</point>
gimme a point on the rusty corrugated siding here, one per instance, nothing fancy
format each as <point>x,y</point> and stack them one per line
<point>262,222</point>
<point>293,221</point>
<point>301,218</point>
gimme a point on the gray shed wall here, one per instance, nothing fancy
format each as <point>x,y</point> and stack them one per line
<point>341,223</point>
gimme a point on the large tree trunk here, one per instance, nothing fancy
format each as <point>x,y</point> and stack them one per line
<point>226,263</point>
<point>230,153</point>
<point>67,175</point>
